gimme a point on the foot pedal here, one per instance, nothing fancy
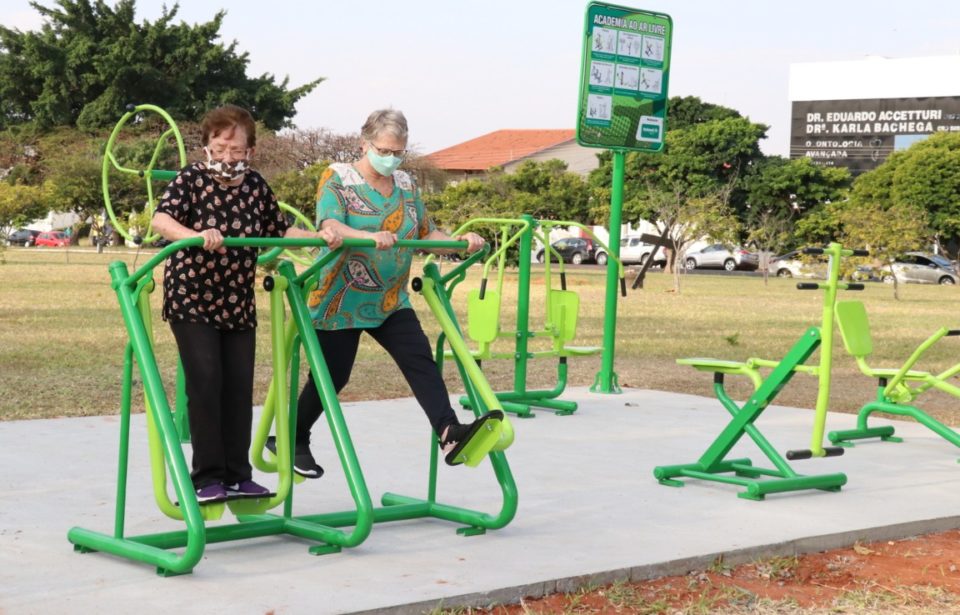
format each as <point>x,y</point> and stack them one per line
<point>483,436</point>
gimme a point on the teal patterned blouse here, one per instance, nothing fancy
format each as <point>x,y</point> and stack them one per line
<point>362,287</point>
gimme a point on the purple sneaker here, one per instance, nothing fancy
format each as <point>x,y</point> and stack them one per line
<point>248,489</point>
<point>212,494</point>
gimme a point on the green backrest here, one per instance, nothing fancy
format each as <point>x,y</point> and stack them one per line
<point>854,327</point>
<point>564,310</point>
<point>483,316</point>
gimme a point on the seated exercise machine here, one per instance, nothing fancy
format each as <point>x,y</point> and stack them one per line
<point>897,388</point>
<point>485,314</point>
<point>713,465</point>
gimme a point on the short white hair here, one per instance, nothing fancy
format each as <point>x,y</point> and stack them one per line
<point>385,120</point>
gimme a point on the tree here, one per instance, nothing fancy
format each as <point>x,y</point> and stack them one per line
<point>299,188</point>
<point>925,176</point>
<point>72,169</point>
<point>887,232</point>
<point>545,190</point>
<point>692,189</point>
<point>90,60</point>
<point>779,192</point>
<point>689,110</point>
<point>21,204</point>
<point>551,192</point>
<point>684,217</point>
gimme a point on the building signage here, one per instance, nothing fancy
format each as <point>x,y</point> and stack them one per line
<point>860,134</point>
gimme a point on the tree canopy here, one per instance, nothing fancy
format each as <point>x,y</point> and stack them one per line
<point>90,60</point>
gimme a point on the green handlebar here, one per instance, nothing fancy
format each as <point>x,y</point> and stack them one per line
<point>301,242</point>
<point>163,176</point>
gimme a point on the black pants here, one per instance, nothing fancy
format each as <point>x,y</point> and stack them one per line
<point>218,366</point>
<point>400,335</point>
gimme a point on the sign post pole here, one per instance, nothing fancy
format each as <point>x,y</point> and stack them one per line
<point>606,380</point>
<point>624,72</point>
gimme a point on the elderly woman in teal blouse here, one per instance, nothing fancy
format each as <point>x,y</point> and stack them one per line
<point>365,289</point>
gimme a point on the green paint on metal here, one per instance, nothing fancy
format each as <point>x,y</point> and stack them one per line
<point>149,174</point>
<point>166,453</point>
<point>606,380</point>
<point>713,465</point>
<point>897,388</point>
<point>560,319</point>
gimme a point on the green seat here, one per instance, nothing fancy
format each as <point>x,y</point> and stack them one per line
<point>898,388</point>
<point>483,316</point>
<point>483,322</point>
<point>722,366</point>
<point>563,314</point>
<point>855,330</point>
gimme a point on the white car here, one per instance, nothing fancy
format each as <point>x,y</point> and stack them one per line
<point>634,250</point>
<point>793,265</point>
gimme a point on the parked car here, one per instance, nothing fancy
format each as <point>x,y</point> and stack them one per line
<point>23,237</point>
<point>719,256</point>
<point>574,250</point>
<point>54,239</point>
<point>634,250</point>
<point>922,268</point>
<point>796,265</point>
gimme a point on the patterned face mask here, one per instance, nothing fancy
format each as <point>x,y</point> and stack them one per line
<point>225,171</point>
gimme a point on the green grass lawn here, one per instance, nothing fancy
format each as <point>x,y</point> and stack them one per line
<point>62,337</point>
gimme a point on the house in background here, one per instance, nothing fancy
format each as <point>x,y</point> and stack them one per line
<point>510,148</point>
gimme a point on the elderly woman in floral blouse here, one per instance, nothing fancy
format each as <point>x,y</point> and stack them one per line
<point>209,296</point>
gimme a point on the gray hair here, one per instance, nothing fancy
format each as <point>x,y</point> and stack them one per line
<point>385,120</point>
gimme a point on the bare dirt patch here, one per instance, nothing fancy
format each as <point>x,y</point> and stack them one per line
<point>915,575</point>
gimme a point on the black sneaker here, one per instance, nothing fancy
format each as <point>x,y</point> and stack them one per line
<point>303,462</point>
<point>457,436</point>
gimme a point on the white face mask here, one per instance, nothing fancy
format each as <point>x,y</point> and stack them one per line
<point>225,171</point>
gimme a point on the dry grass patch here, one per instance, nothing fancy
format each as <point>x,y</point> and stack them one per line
<point>62,338</point>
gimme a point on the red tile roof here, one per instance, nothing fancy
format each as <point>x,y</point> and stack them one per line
<point>497,148</point>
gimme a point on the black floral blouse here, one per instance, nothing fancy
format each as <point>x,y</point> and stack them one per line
<point>209,287</point>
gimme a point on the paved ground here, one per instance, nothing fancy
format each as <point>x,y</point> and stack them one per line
<point>589,510</point>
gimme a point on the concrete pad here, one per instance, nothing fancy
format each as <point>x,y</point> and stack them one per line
<point>589,511</point>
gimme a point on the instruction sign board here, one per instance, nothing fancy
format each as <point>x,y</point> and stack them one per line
<point>624,72</point>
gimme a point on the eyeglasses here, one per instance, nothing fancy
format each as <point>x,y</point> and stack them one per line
<point>399,153</point>
<point>235,153</point>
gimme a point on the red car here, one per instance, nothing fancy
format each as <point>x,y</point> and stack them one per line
<point>55,239</point>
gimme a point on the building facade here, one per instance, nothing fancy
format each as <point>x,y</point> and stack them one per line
<point>855,114</point>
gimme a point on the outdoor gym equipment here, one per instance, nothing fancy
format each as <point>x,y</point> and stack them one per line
<point>713,464</point>
<point>166,452</point>
<point>150,174</point>
<point>484,311</point>
<point>895,395</point>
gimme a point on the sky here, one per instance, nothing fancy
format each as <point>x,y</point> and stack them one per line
<point>459,69</point>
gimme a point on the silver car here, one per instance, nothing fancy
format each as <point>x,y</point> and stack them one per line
<point>718,256</point>
<point>922,268</point>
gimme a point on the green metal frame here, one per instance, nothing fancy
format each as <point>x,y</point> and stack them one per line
<point>167,453</point>
<point>150,174</point>
<point>758,482</point>
<point>894,391</point>
<point>560,320</point>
